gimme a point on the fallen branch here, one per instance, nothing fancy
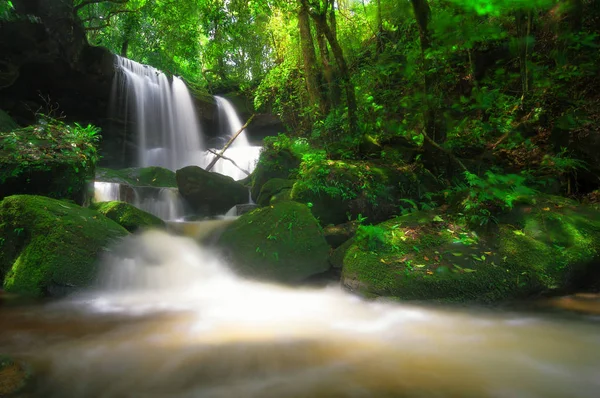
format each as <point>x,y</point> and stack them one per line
<point>212,163</point>
<point>450,154</point>
<point>231,160</point>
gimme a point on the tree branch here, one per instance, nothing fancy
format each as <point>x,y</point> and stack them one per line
<point>212,163</point>
<point>231,160</point>
<point>89,2</point>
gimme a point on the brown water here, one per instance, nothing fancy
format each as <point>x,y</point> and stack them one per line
<point>168,320</point>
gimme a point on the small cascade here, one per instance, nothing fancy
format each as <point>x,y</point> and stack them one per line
<point>165,203</point>
<point>162,111</point>
<point>106,191</point>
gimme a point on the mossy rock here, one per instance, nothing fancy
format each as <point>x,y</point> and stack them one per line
<point>6,123</point>
<point>282,242</point>
<point>273,164</point>
<point>549,248</point>
<point>272,188</point>
<point>335,235</point>
<point>207,193</point>
<point>139,176</point>
<point>51,159</point>
<point>13,376</point>
<point>128,216</point>
<point>339,189</point>
<point>49,247</point>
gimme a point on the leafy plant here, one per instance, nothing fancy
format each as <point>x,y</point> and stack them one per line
<point>494,193</point>
<point>371,237</point>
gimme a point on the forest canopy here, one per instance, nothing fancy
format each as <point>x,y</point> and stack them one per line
<point>456,77</point>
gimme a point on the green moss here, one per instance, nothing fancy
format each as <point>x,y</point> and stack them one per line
<point>6,123</point>
<point>49,246</point>
<point>274,162</point>
<point>443,260</point>
<point>271,188</point>
<point>282,242</point>
<point>128,216</point>
<point>139,176</point>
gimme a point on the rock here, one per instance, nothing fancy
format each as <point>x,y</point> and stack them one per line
<point>49,247</point>
<point>209,193</point>
<point>128,216</point>
<point>238,210</point>
<point>6,123</point>
<point>13,376</point>
<point>335,235</point>
<point>272,163</point>
<point>139,176</point>
<point>50,159</point>
<point>546,248</point>
<point>336,190</point>
<point>273,187</point>
<point>282,243</point>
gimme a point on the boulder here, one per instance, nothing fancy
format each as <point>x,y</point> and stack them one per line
<point>273,163</point>
<point>128,216</point>
<point>337,190</point>
<point>49,247</point>
<point>51,159</point>
<point>13,376</point>
<point>336,235</point>
<point>549,247</point>
<point>282,243</point>
<point>209,193</point>
<point>273,188</point>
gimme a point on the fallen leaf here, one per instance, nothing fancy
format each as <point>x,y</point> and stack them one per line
<point>425,258</point>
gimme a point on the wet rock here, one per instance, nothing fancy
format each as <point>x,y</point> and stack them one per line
<point>13,376</point>
<point>209,194</point>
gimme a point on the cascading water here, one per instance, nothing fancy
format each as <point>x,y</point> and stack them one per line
<point>165,203</point>
<point>240,151</point>
<point>168,319</point>
<point>164,118</point>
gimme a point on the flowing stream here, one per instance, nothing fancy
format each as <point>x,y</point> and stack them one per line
<point>167,318</point>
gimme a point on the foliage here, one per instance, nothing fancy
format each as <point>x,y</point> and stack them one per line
<point>488,196</point>
<point>49,140</point>
<point>371,237</point>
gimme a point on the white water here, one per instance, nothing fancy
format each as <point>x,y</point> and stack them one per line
<point>165,203</point>
<point>170,320</point>
<point>240,151</point>
<point>166,125</point>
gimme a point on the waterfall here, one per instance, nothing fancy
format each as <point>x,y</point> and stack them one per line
<point>240,151</point>
<point>165,203</point>
<point>162,111</point>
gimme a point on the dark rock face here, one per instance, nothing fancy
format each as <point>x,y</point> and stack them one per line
<point>48,66</point>
<point>209,193</point>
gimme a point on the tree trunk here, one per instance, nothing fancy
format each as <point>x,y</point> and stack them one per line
<point>433,126</point>
<point>343,68</point>
<point>333,89</point>
<point>124,48</point>
<point>309,58</point>
<point>380,43</point>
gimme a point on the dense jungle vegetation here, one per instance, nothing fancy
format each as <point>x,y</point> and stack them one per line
<point>502,83</point>
<point>507,83</point>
